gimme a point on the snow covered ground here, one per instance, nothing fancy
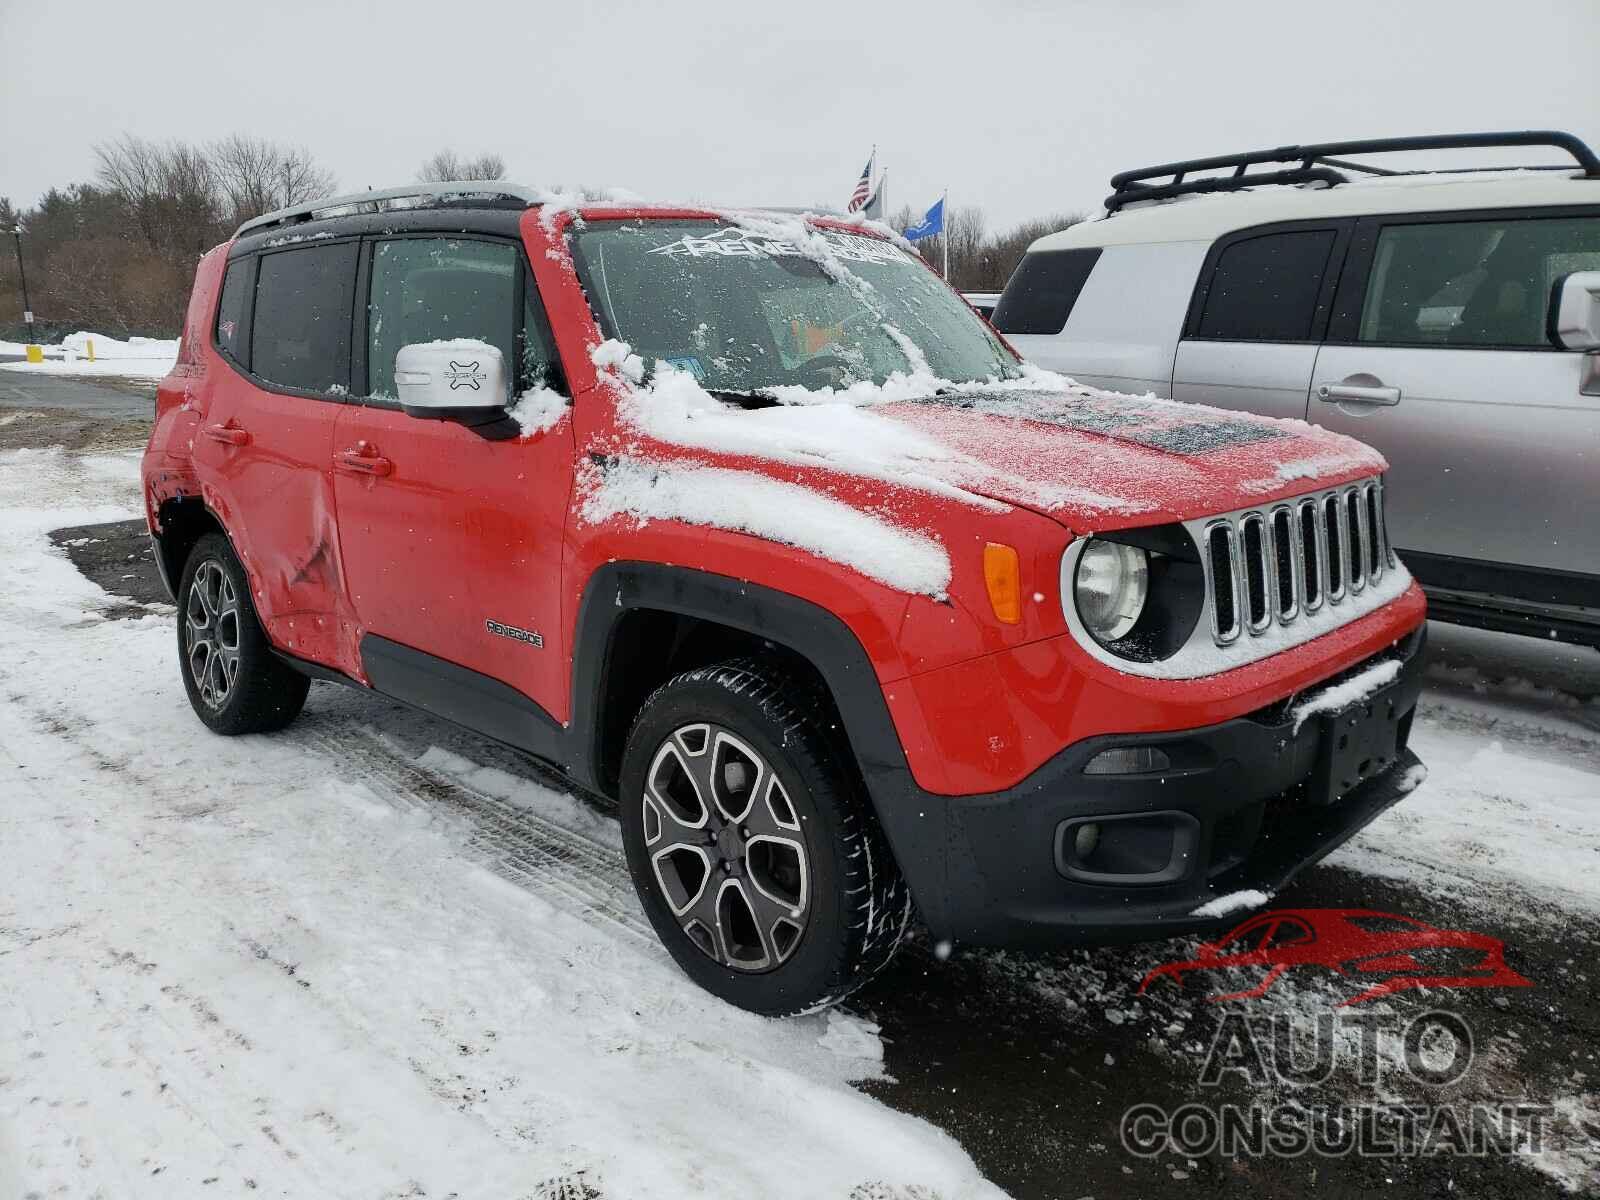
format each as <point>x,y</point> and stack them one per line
<point>371,957</point>
<point>142,358</point>
<point>271,966</point>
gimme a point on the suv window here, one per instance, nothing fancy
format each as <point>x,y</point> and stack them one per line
<point>1041,292</point>
<point>300,332</point>
<point>1473,283</point>
<point>230,309</point>
<point>437,289</point>
<point>1265,288</point>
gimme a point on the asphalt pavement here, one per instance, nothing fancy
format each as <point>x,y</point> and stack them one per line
<point>109,397</point>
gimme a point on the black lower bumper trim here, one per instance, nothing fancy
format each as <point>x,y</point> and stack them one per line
<point>989,869</point>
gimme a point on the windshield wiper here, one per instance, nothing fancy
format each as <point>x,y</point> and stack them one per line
<point>750,400</point>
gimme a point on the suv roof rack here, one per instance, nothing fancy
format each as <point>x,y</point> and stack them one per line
<point>377,201</point>
<point>1319,164</point>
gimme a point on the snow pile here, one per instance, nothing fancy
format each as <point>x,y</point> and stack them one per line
<point>538,409</point>
<point>1233,902</point>
<point>1342,695</point>
<point>148,358</point>
<point>786,513</point>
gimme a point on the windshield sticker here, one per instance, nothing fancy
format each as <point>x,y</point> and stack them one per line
<point>733,242</point>
<point>689,363</point>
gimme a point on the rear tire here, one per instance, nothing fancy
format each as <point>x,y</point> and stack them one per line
<point>777,891</point>
<point>235,683</point>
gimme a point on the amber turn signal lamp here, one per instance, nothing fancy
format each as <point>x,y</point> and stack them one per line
<point>1002,572</point>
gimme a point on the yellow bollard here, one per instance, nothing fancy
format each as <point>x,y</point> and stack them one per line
<point>35,354</point>
<point>89,344</point>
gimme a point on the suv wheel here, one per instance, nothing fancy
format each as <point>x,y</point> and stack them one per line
<point>753,850</point>
<point>235,683</point>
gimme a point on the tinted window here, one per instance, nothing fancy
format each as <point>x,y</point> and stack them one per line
<point>230,309</point>
<point>1264,289</point>
<point>300,332</point>
<point>1042,290</point>
<point>1473,283</point>
<point>439,289</point>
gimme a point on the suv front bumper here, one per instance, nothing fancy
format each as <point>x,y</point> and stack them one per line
<point>1239,808</point>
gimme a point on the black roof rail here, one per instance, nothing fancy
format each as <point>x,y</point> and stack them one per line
<point>1324,162</point>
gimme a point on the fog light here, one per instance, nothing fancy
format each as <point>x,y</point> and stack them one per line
<point>1128,760</point>
<point>1085,840</point>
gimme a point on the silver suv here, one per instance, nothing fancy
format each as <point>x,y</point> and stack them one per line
<point>1449,318</point>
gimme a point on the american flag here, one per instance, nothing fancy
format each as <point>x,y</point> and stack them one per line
<point>863,186</point>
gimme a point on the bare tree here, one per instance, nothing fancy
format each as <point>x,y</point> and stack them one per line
<point>447,165</point>
<point>1004,251</point>
<point>166,188</point>
<point>254,176</point>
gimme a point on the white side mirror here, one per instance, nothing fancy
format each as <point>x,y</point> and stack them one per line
<point>1576,324</point>
<point>436,379</point>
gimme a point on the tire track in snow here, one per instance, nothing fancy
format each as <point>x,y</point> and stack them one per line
<point>572,872</point>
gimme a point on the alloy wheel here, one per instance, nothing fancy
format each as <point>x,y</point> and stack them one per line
<point>726,848</point>
<point>211,624</point>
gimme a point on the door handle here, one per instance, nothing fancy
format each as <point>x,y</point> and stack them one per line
<point>354,462</point>
<point>228,435</point>
<point>1332,393</point>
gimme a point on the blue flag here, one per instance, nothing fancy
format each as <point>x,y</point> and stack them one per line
<point>929,225</point>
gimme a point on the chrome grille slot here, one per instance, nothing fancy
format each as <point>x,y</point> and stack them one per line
<point>1335,539</point>
<point>1221,582</point>
<point>1355,514</point>
<point>1377,558</point>
<point>1258,572</point>
<point>1313,556</point>
<point>1286,552</point>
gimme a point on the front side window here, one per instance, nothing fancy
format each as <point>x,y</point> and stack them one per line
<point>432,289</point>
<point>745,311</point>
<point>1265,288</point>
<point>1473,283</point>
<point>300,332</point>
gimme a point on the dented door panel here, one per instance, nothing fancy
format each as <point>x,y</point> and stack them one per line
<point>263,461</point>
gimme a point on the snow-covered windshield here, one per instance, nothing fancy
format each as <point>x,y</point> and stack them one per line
<point>748,309</point>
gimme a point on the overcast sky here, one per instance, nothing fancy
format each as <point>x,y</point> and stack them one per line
<point>1020,106</point>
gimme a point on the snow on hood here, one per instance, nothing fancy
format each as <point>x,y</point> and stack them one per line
<point>1089,458</point>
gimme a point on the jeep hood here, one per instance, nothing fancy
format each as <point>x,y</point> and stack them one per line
<point>1097,460</point>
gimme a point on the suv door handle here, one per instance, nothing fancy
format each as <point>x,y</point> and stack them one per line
<point>1332,393</point>
<point>228,435</point>
<point>354,462</point>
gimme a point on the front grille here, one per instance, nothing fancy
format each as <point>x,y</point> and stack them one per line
<point>1268,567</point>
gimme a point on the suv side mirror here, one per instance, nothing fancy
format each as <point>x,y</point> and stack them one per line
<point>1575,311</point>
<point>461,378</point>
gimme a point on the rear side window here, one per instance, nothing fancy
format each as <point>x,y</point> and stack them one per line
<point>1041,292</point>
<point>231,334</point>
<point>1473,283</point>
<point>1265,289</point>
<point>300,331</point>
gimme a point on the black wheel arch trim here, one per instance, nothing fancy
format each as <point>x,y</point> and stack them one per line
<point>806,629</point>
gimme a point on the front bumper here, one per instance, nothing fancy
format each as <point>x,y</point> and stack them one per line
<point>1240,800</point>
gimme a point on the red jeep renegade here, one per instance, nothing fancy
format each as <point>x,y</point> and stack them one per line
<point>750,523</point>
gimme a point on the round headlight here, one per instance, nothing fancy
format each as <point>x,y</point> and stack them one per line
<point>1112,584</point>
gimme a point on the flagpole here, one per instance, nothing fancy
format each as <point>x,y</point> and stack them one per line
<point>945,239</point>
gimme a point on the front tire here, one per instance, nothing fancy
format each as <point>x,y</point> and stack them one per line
<point>753,850</point>
<point>235,683</point>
